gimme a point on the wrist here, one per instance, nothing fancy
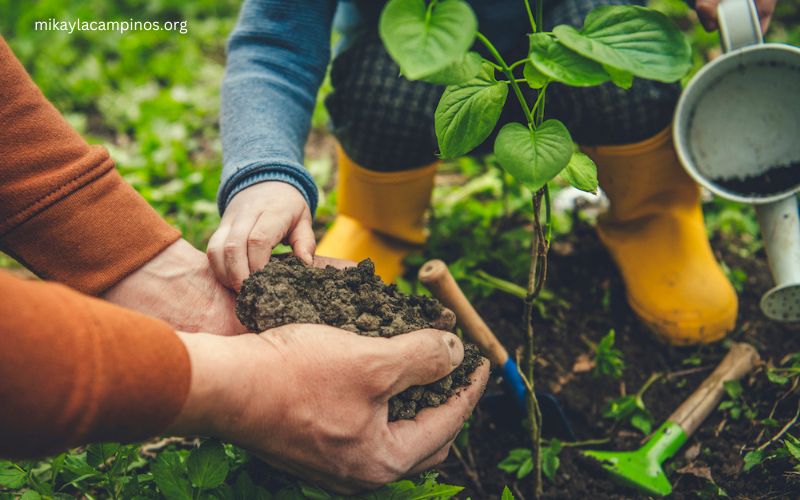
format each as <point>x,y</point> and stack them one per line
<point>179,287</point>
<point>229,378</point>
<point>294,176</point>
<point>210,373</point>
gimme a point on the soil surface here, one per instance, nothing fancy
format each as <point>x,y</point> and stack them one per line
<point>774,180</point>
<point>353,299</point>
<point>590,301</point>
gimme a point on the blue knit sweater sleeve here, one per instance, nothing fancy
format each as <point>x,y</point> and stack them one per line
<point>277,56</point>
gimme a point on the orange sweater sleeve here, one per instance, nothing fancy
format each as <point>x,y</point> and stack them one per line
<point>65,212</point>
<point>75,369</point>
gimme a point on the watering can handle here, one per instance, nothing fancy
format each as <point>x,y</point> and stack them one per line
<point>739,361</point>
<point>739,25</point>
<point>437,278</point>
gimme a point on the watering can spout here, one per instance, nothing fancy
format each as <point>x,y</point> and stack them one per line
<point>780,230</point>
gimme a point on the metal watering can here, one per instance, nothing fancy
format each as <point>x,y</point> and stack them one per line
<point>739,119</point>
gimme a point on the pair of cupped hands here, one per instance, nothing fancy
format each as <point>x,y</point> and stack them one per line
<point>308,399</point>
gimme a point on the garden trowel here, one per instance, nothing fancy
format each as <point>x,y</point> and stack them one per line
<point>435,275</point>
<point>641,469</point>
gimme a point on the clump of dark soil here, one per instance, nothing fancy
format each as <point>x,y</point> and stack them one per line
<point>771,181</point>
<point>353,299</point>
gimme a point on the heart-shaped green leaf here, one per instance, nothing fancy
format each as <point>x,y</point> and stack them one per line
<point>581,173</point>
<point>564,65</point>
<point>533,157</point>
<point>424,39</point>
<point>460,71</point>
<point>635,39</point>
<point>468,112</point>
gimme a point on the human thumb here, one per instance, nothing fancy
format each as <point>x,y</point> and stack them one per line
<point>424,356</point>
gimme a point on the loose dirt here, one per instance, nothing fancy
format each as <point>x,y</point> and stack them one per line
<point>354,299</point>
<point>774,180</point>
<point>591,301</point>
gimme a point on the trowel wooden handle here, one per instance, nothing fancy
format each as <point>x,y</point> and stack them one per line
<point>437,278</point>
<point>739,361</point>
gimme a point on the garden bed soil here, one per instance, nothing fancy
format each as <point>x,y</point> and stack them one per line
<point>354,299</point>
<point>584,279</point>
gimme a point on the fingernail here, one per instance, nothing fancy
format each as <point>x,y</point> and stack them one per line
<point>454,347</point>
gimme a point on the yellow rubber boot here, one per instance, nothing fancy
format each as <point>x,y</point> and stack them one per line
<point>654,230</point>
<point>381,215</point>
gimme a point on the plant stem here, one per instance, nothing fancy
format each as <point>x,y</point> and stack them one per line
<point>548,214</point>
<point>507,71</point>
<point>539,16</point>
<point>783,430</point>
<point>530,16</point>
<point>534,284</point>
<point>648,383</point>
<point>518,63</point>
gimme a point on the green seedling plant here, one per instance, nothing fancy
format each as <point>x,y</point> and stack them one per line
<point>789,451</point>
<point>434,41</point>
<point>519,461</point>
<point>782,445</point>
<point>631,410</point>
<point>608,360</point>
<point>788,371</point>
<point>736,406</point>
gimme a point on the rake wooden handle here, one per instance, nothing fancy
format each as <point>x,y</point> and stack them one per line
<point>739,361</point>
<point>437,278</point>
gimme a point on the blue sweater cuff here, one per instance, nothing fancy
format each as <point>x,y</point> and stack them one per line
<point>254,174</point>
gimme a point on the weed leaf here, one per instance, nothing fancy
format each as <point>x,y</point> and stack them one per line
<point>424,39</point>
<point>550,460</point>
<point>792,445</point>
<point>99,453</point>
<point>564,65</point>
<point>468,112</point>
<point>630,38</point>
<point>525,468</point>
<point>169,474</point>
<point>753,458</point>
<point>507,495</point>
<point>11,476</point>
<point>533,157</point>
<point>642,420</point>
<point>207,465</point>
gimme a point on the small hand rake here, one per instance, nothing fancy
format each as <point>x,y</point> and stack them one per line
<point>641,469</point>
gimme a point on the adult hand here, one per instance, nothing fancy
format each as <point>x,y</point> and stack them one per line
<point>256,220</point>
<point>707,12</point>
<point>312,400</point>
<point>179,287</point>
